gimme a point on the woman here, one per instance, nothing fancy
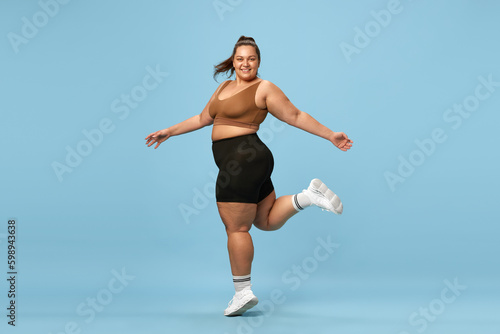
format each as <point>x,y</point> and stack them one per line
<point>244,191</point>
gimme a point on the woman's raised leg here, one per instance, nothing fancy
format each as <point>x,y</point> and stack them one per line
<point>273,213</point>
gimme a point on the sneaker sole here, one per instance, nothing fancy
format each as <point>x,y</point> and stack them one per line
<point>248,305</point>
<point>318,186</point>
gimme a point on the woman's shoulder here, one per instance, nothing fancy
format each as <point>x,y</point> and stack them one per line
<point>222,84</point>
<point>268,86</point>
<point>225,82</point>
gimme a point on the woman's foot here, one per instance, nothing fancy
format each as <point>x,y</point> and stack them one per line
<point>321,196</point>
<point>241,302</point>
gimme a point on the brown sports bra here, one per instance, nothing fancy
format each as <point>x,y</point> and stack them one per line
<point>239,109</point>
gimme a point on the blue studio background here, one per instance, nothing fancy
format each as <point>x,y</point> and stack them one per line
<point>113,236</point>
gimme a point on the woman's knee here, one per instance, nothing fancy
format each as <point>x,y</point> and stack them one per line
<point>237,229</point>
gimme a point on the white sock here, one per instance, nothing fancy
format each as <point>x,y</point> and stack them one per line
<point>301,201</point>
<point>241,282</point>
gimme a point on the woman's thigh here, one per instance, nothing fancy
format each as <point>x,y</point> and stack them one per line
<point>237,217</point>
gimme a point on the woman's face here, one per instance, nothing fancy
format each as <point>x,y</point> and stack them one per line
<point>246,62</point>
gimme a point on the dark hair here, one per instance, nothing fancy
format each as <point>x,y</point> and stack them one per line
<point>227,65</point>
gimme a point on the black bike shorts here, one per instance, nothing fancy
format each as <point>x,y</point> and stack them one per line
<point>245,166</point>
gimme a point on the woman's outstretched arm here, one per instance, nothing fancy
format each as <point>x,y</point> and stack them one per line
<point>280,107</point>
<point>191,124</point>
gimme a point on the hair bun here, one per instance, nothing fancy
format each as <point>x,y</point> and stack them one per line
<point>246,39</point>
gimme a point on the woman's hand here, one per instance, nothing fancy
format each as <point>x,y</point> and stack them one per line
<point>340,140</point>
<point>157,137</point>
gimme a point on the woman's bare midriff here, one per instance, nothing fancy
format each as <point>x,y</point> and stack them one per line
<point>228,131</point>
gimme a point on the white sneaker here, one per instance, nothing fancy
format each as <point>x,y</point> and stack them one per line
<point>241,302</point>
<point>321,196</point>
